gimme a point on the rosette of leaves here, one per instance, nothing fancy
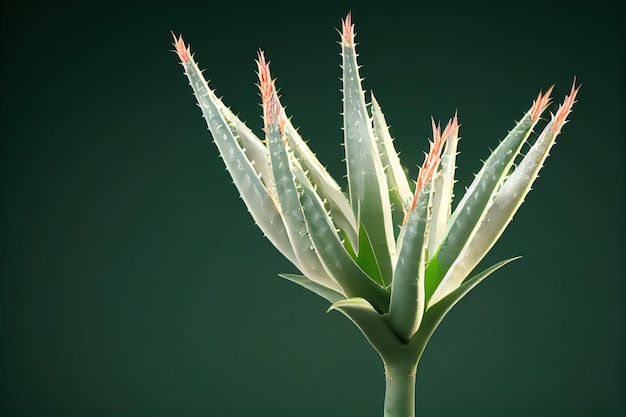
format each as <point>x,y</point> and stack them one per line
<point>390,254</point>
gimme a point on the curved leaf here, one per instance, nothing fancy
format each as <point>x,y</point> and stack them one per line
<point>435,313</point>
<point>373,326</point>
<point>330,295</point>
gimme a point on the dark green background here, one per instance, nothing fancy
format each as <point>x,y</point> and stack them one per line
<point>134,283</point>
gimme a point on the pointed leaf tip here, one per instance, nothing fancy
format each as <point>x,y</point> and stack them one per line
<point>265,79</point>
<point>540,104</point>
<point>184,52</point>
<point>560,118</point>
<point>432,159</point>
<point>455,121</point>
<point>452,125</point>
<point>271,107</point>
<point>347,34</point>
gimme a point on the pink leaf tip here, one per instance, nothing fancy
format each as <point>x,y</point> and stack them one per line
<point>560,118</point>
<point>431,161</point>
<point>265,79</point>
<point>271,108</point>
<point>540,104</point>
<point>184,52</point>
<point>347,32</point>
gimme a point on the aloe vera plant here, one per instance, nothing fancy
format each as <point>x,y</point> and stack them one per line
<point>391,255</point>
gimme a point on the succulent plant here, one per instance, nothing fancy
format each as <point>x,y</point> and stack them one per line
<point>391,255</point>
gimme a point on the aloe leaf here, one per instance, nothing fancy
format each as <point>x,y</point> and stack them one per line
<point>373,326</point>
<point>369,195</point>
<point>323,291</point>
<point>327,187</point>
<point>282,167</point>
<point>396,290</point>
<point>510,196</point>
<point>443,186</point>
<point>291,211</point>
<point>289,152</point>
<point>471,210</point>
<point>255,149</point>
<point>334,256</point>
<point>407,288</point>
<point>365,258</point>
<point>400,194</point>
<point>261,204</point>
<point>436,312</point>
<point>506,201</point>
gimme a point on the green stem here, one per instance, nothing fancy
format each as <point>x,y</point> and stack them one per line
<point>400,389</point>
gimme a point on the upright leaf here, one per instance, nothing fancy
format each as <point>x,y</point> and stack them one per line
<point>339,264</point>
<point>443,185</point>
<point>400,194</point>
<point>369,193</point>
<point>327,187</point>
<point>506,202</point>
<point>407,289</point>
<point>471,210</point>
<point>282,170</point>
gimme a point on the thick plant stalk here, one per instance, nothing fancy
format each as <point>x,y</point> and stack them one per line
<point>393,260</point>
<point>400,389</point>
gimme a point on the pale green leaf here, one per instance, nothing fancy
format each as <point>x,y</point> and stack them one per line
<point>369,195</point>
<point>253,192</point>
<point>400,194</point>
<point>443,191</point>
<point>334,256</point>
<point>470,212</point>
<point>282,169</point>
<point>331,296</point>
<point>373,326</point>
<point>255,149</point>
<point>436,312</point>
<point>407,288</point>
<point>327,187</point>
<point>506,202</point>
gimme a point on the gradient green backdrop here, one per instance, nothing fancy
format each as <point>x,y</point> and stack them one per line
<point>134,283</point>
